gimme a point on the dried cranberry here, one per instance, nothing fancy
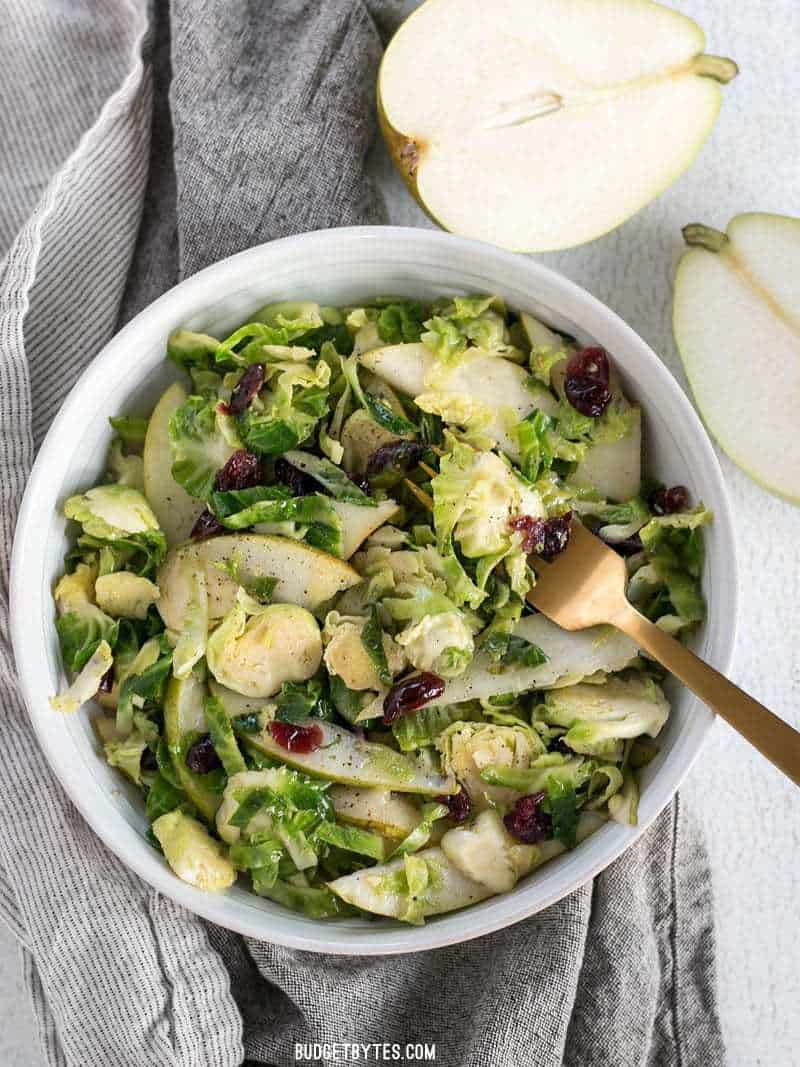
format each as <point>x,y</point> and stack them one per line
<point>400,455</point>
<point>677,498</point>
<point>106,682</point>
<point>629,547</point>
<point>242,471</point>
<point>410,694</point>
<point>206,525</point>
<point>301,484</point>
<point>586,382</point>
<point>202,756</point>
<point>545,537</point>
<point>527,822</point>
<point>668,501</point>
<point>244,391</point>
<point>459,805</point>
<point>300,739</point>
<point>148,761</point>
<point>532,531</point>
<point>589,362</point>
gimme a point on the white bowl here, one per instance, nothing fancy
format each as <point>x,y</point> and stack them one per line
<point>340,267</point>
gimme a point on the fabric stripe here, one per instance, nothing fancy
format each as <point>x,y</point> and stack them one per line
<point>117,977</point>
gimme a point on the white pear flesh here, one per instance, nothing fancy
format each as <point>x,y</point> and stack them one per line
<point>175,510</point>
<point>614,468</point>
<point>390,814</point>
<point>737,326</point>
<point>373,889</point>
<point>358,522</point>
<point>571,656</point>
<point>540,126</point>
<point>344,758</point>
<point>504,387</point>
<point>306,576</point>
<point>184,714</point>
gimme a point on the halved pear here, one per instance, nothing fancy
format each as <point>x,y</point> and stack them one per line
<point>175,510</point>
<point>306,576</point>
<point>539,126</point>
<point>737,325</point>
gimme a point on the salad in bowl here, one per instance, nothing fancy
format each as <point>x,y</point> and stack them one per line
<point>299,601</point>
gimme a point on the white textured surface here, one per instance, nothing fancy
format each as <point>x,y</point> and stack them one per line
<point>752,816</point>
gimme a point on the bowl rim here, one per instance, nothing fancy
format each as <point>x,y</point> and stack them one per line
<point>496,912</point>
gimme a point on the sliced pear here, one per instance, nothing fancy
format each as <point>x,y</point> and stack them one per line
<point>552,122</point>
<point>342,757</point>
<point>390,814</point>
<point>504,387</point>
<point>378,889</point>
<point>614,468</point>
<point>361,436</point>
<point>184,714</point>
<point>539,335</point>
<point>359,522</point>
<point>306,576</point>
<point>175,510</point>
<point>236,704</point>
<point>487,853</point>
<point>737,325</point>
<point>571,656</point>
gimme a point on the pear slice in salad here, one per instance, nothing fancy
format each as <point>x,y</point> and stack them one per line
<point>614,468</point>
<point>306,576</point>
<point>737,326</point>
<point>342,757</point>
<point>183,717</point>
<point>391,814</point>
<point>540,126</point>
<point>359,522</point>
<point>236,704</point>
<point>571,656</point>
<point>175,510</point>
<point>384,890</point>
<point>504,388</point>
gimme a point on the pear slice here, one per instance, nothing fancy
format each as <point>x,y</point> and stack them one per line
<point>380,889</point>
<point>504,387</point>
<point>306,576</point>
<point>737,325</point>
<point>342,757</point>
<point>175,510</point>
<point>540,126</point>
<point>359,522</point>
<point>184,715</point>
<point>614,468</point>
<point>571,656</point>
<point>391,814</point>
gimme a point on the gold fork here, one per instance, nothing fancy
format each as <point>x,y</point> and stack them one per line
<point>585,585</point>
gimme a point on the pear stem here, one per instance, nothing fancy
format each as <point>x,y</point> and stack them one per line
<point>716,67</point>
<point>698,236</point>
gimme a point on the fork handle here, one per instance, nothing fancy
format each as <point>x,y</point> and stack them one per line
<point>773,737</point>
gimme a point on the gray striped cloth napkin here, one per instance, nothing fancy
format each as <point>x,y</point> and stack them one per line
<point>138,146</point>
